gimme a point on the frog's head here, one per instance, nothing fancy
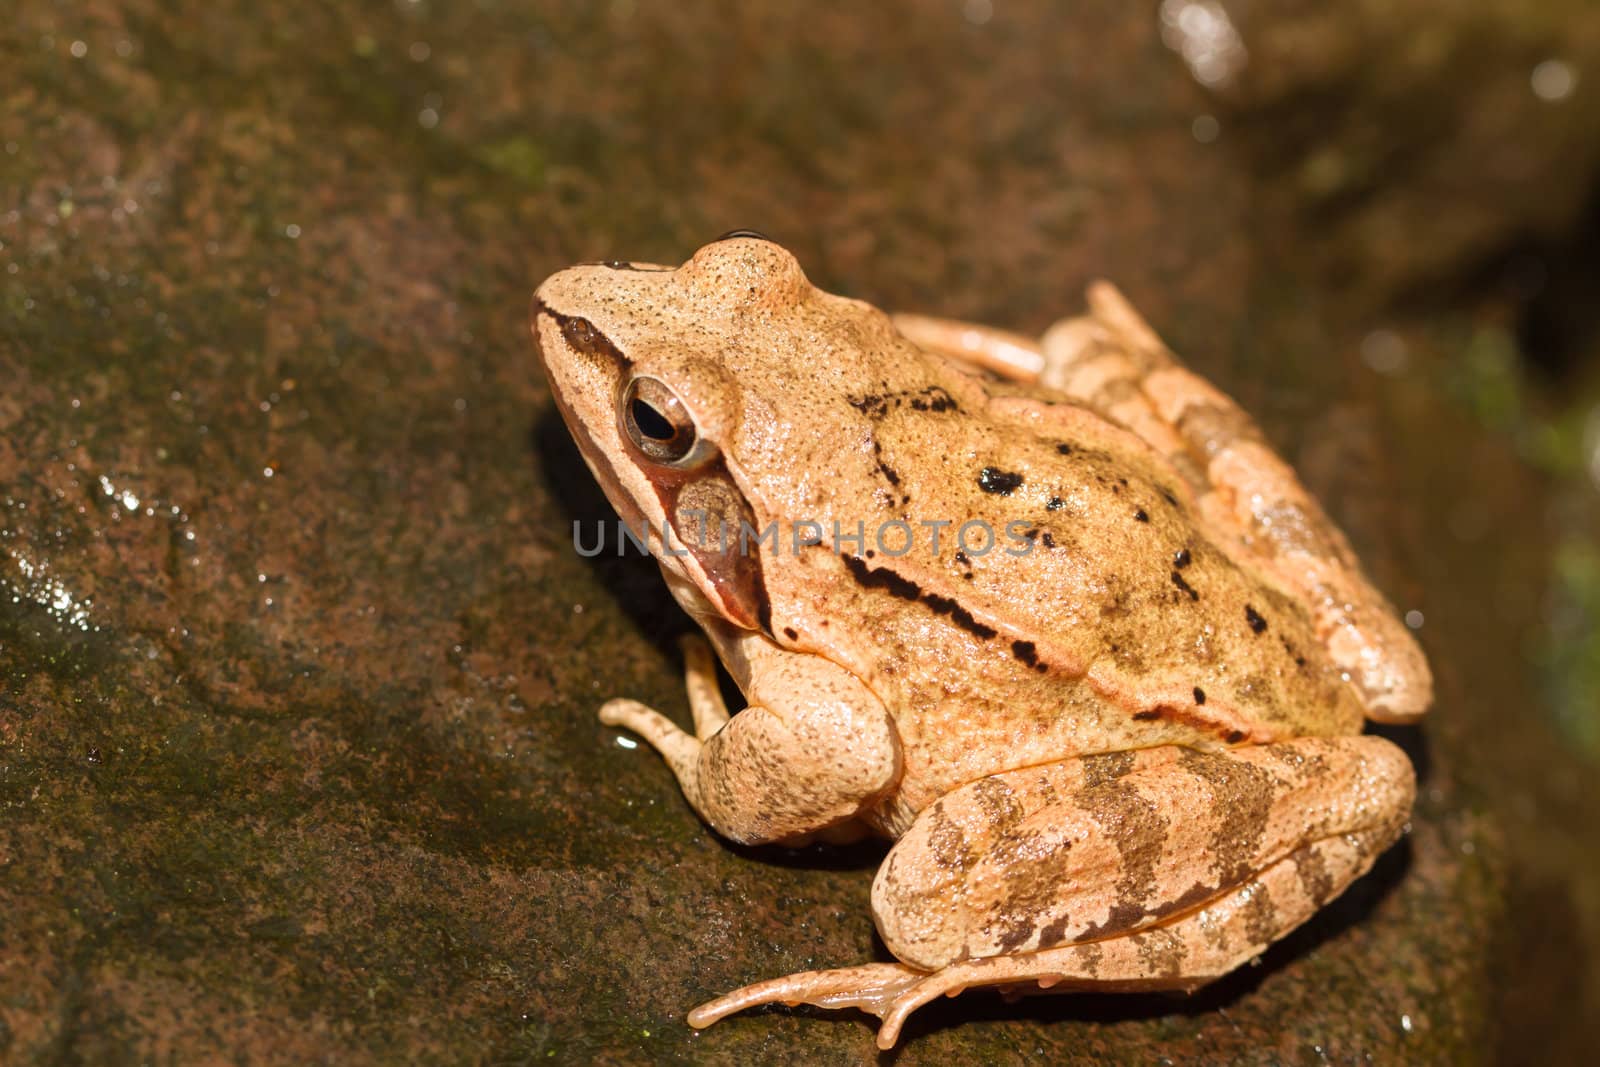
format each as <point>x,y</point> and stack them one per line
<point>652,368</point>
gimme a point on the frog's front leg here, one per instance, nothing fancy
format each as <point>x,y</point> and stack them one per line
<point>1159,869</point>
<point>811,753</point>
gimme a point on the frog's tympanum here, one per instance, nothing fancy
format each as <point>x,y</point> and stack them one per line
<point>1051,615</point>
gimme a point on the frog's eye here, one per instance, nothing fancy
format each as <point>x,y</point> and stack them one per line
<point>657,423</point>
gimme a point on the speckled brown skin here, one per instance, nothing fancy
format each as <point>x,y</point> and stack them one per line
<point>1100,749</point>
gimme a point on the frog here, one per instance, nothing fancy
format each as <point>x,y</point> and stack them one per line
<point>1111,721</point>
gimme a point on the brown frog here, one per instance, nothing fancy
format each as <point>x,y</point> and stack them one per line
<point>1051,615</point>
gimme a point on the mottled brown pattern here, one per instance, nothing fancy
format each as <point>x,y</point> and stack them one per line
<point>1242,796</point>
<point>948,842</point>
<point>1211,428</point>
<point>1314,876</point>
<point>1261,924</point>
<point>1161,951</point>
<point>1139,832</point>
<point>1104,768</point>
<point>1034,867</point>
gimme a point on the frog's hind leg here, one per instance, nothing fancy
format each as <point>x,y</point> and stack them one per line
<point>1113,361</point>
<point>1183,954</point>
<point>1010,355</point>
<point>1160,869</point>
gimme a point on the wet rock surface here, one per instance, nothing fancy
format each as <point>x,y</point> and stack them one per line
<point>298,669</point>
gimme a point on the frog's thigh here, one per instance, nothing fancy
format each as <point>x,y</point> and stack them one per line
<point>1111,856</point>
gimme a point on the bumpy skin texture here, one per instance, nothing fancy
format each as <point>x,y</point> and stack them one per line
<point>1183,615</point>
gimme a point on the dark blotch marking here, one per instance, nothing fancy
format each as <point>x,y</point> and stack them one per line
<point>1260,917</point>
<point>1055,503</point>
<point>961,558</point>
<point>1312,870</point>
<point>904,588</point>
<point>1064,449</point>
<point>1161,951</point>
<point>1242,796</point>
<point>888,472</point>
<point>1199,696</point>
<point>1047,540</point>
<point>872,405</point>
<point>1138,830</point>
<point>1253,617</point>
<point>935,399</point>
<point>1106,767</point>
<point>959,615</point>
<point>1035,869</point>
<point>789,632</point>
<point>931,398</point>
<point>882,578</point>
<point>1054,933</point>
<point>1181,558</point>
<point>1142,515</point>
<point>1183,586</point>
<point>1294,653</point>
<point>1027,653</point>
<point>999,482</point>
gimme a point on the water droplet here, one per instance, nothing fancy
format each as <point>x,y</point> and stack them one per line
<point>1553,80</point>
<point>1385,352</point>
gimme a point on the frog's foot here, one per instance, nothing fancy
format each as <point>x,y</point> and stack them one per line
<point>876,988</point>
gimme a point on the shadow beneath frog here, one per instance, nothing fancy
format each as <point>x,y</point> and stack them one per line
<point>864,855</point>
<point>1413,742</point>
<point>631,577</point>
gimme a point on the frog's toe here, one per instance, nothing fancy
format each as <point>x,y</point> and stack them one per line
<point>679,749</point>
<point>876,988</point>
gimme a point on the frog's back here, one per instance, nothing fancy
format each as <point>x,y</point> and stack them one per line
<point>1086,608</point>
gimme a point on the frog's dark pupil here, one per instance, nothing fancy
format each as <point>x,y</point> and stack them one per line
<point>651,422</point>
